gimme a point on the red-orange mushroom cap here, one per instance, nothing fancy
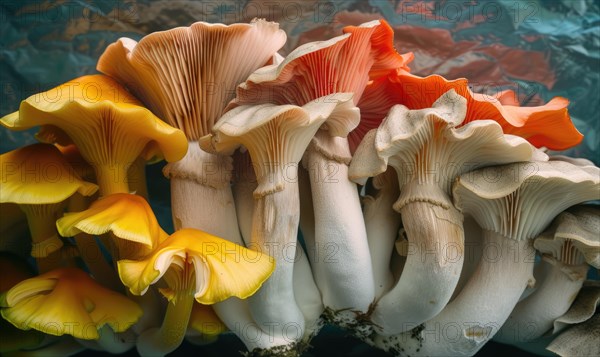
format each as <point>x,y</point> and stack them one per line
<point>343,64</point>
<point>547,126</point>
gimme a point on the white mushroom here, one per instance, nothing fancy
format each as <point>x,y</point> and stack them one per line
<point>567,248</point>
<point>276,137</point>
<point>428,151</point>
<point>513,204</point>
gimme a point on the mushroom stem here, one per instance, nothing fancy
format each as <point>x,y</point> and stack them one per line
<point>45,241</point>
<point>340,254</point>
<point>535,315</point>
<point>274,232</point>
<point>111,178</point>
<point>201,197</point>
<point>435,256</point>
<point>382,223</point>
<point>159,342</point>
<point>90,252</point>
<point>306,292</point>
<point>164,340</point>
<point>482,307</point>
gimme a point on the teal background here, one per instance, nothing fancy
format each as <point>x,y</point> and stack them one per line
<point>540,49</point>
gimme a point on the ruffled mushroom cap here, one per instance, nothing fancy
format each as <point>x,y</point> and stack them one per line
<point>582,309</point>
<point>15,270</point>
<point>343,64</point>
<point>39,174</point>
<point>127,216</point>
<point>108,125</point>
<point>276,136</point>
<point>215,269</point>
<point>187,75</point>
<point>579,340</point>
<point>429,146</point>
<point>576,238</point>
<point>67,301</point>
<point>544,126</point>
<point>39,180</point>
<point>520,200</point>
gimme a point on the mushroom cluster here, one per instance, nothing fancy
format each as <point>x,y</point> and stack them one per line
<point>330,186</point>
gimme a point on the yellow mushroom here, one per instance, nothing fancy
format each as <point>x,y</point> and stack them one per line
<point>67,301</point>
<point>15,270</point>
<point>195,266</point>
<point>127,217</point>
<point>109,126</point>
<point>39,179</point>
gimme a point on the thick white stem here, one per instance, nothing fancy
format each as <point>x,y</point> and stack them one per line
<point>274,232</point>
<point>473,250</point>
<point>382,223</point>
<point>306,292</point>
<point>340,256</point>
<point>433,264</point>
<point>535,315</point>
<point>307,295</point>
<point>201,194</point>
<point>478,312</point>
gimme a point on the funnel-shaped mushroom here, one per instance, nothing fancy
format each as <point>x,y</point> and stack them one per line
<point>276,137</point>
<point>67,301</point>
<point>40,180</point>
<point>306,293</point>
<point>428,152</point>
<point>195,266</point>
<point>108,125</point>
<point>186,76</point>
<point>513,204</point>
<point>342,64</point>
<point>127,216</point>
<point>573,241</point>
<point>548,125</point>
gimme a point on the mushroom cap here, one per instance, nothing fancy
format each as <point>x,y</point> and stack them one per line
<point>277,135</point>
<point>222,269</point>
<point>574,237</point>
<point>341,64</point>
<point>107,124</point>
<point>582,309</point>
<point>39,174</point>
<point>579,161</point>
<point>520,200</point>
<point>430,145</point>
<point>67,301</point>
<point>127,216</point>
<point>548,125</point>
<point>187,75</point>
<point>579,340</point>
